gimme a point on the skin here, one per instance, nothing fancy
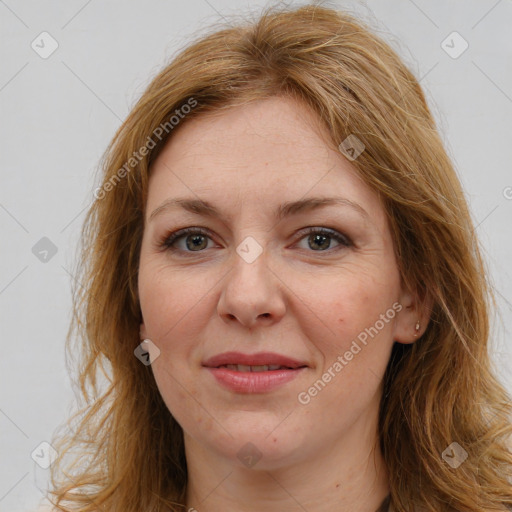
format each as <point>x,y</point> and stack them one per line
<point>294,299</point>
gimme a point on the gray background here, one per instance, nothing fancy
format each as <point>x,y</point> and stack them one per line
<point>59,113</point>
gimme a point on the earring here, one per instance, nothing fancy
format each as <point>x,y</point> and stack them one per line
<point>417,328</point>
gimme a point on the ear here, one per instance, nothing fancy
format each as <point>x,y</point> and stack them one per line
<point>414,311</point>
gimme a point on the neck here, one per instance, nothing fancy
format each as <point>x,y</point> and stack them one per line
<point>349,475</point>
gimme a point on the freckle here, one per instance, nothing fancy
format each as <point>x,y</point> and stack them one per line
<point>337,485</point>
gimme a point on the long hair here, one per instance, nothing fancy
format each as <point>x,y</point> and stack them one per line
<point>126,448</point>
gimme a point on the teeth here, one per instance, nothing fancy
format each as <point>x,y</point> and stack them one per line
<point>262,368</point>
<point>255,368</point>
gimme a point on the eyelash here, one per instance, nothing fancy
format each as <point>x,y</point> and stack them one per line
<point>171,238</point>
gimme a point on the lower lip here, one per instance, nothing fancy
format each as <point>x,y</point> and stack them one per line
<point>254,382</point>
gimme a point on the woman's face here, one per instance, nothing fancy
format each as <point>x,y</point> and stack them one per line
<point>273,277</point>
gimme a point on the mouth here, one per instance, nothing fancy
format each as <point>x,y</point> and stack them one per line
<point>260,362</point>
<point>257,368</point>
<point>253,373</point>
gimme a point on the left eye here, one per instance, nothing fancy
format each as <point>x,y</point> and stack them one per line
<point>321,238</point>
<point>196,239</point>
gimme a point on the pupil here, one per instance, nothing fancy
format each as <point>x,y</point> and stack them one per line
<point>196,241</point>
<point>317,238</point>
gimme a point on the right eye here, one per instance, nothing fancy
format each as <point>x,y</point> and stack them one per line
<point>195,240</point>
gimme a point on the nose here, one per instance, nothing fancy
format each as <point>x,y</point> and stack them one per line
<point>252,294</point>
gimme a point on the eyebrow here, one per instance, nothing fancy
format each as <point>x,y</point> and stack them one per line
<point>206,209</point>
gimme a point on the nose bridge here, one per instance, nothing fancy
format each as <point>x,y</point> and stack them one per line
<point>249,276</point>
<point>251,291</point>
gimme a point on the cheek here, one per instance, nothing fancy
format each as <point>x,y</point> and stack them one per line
<point>353,299</point>
<point>176,312</point>
<point>357,305</point>
<point>169,300</point>
<point>181,395</point>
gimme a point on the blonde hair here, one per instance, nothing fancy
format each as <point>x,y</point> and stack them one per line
<point>440,389</point>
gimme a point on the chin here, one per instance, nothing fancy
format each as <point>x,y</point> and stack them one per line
<point>265,448</point>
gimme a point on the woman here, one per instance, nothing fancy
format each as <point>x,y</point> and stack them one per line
<point>283,285</point>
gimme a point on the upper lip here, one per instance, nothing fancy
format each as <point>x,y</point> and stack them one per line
<point>259,359</point>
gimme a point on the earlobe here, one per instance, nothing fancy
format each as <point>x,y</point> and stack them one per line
<point>408,331</point>
<point>413,319</point>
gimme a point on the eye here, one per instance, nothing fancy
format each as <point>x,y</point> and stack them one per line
<point>196,239</point>
<point>319,239</point>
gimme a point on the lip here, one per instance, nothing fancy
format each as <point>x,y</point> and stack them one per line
<point>253,382</point>
<point>259,359</point>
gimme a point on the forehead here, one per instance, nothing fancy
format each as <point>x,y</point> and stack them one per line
<point>280,125</point>
<point>260,154</point>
